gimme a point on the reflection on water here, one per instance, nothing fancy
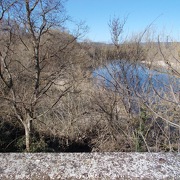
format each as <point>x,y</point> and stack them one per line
<point>136,85</point>
<point>135,76</point>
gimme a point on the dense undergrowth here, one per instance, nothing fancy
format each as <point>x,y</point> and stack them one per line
<point>50,101</point>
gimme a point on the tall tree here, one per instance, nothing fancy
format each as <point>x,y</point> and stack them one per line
<point>29,60</point>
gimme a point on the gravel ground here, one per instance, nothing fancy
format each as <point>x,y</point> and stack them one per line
<point>89,166</point>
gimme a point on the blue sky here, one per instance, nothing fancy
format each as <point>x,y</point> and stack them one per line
<point>96,14</point>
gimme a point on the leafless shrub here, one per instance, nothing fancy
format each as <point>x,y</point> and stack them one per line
<point>150,104</point>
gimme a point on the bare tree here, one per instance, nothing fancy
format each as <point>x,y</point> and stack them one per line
<point>149,98</point>
<point>116,29</point>
<point>29,62</point>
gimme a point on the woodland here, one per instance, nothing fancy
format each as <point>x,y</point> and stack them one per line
<point>53,99</point>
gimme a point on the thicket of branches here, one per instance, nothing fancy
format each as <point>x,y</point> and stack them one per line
<point>50,99</point>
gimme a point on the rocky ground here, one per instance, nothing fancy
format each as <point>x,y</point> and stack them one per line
<point>89,166</point>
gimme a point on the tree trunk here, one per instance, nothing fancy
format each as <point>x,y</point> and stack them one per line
<point>27,136</point>
<point>27,127</point>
